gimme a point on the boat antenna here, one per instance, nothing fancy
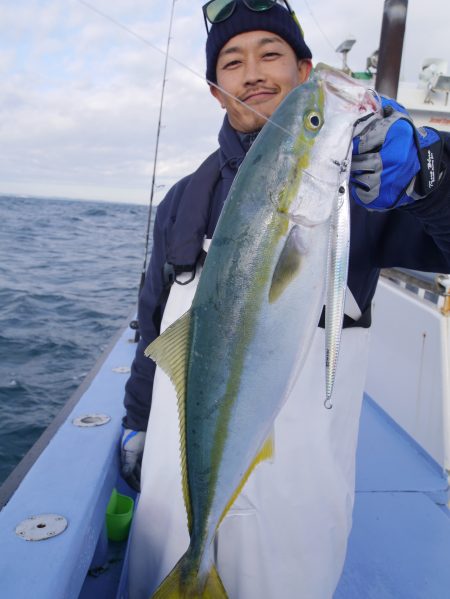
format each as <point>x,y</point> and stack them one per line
<point>134,324</point>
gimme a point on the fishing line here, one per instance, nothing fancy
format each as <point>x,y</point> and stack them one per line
<point>180,63</point>
<point>327,39</point>
<point>168,56</point>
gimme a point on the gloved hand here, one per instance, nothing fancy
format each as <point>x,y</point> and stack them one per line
<point>131,451</point>
<point>393,163</point>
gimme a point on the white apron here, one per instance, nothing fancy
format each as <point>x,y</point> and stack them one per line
<point>286,534</point>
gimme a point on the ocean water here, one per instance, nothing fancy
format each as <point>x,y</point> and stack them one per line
<point>69,276</point>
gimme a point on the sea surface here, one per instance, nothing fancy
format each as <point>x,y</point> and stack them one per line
<point>69,277</point>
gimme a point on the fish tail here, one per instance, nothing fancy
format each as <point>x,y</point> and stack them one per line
<point>183,582</point>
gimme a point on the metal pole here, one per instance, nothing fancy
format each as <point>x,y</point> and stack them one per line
<point>391,47</point>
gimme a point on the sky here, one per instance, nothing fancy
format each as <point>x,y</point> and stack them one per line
<point>80,94</point>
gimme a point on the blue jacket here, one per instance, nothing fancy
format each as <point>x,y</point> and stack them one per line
<point>415,237</point>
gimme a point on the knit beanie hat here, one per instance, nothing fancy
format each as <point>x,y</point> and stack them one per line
<point>277,20</point>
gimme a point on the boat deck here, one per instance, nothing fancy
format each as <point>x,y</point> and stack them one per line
<point>399,547</point>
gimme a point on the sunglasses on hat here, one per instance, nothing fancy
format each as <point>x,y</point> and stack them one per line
<point>216,11</point>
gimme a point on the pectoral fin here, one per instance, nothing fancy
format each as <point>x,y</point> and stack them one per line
<point>289,263</point>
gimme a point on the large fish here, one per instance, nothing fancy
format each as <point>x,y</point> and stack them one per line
<point>235,355</point>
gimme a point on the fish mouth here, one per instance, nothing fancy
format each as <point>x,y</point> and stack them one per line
<point>347,89</point>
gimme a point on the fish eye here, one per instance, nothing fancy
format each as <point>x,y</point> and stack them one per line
<point>313,120</point>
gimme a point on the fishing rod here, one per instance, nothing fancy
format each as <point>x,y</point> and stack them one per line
<point>135,323</point>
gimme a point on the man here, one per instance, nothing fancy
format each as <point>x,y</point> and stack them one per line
<point>285,535</point>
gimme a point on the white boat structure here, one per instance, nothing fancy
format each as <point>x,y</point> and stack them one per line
<point>401,533</point>
<point>428,100</point>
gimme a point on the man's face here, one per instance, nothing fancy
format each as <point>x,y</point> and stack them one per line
<point>260,69</point>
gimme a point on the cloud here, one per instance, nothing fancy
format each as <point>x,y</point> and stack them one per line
<point>79,95</point>
<point>80,100</point>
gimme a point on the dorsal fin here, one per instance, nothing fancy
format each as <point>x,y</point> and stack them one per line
<point>170,351</point>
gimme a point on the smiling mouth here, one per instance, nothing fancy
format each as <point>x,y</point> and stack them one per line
<point>262,94</point>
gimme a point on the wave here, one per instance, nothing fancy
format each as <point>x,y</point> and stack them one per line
<point>69,276</point>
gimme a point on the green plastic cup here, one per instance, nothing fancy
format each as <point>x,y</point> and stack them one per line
<point>119,514</point>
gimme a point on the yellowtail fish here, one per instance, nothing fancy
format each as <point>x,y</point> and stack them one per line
<point>234,356</point>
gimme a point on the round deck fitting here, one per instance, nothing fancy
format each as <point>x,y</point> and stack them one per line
<point>122,369</point>
<point>90,420</point>
<point>41,527</point>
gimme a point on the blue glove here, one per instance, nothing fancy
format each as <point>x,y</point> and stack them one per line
<point>131,451</point>
<point>393,163</point>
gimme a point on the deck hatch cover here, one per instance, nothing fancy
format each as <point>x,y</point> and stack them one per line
<point>41,527</point>
<point>89,420</point>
